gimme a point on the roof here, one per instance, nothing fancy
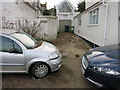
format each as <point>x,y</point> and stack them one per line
<point>43,5</point>
<point>76,13</point>
<point>69,2</point>
<point>94,5</point>
<point>31,6</point>
<point>8,31</point>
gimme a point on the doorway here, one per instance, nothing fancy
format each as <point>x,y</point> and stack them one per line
<point>64,25</point>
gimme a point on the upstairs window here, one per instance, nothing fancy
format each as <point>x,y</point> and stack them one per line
<point>65,8</point>
<point>93,19</point>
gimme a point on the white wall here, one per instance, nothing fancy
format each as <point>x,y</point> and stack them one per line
<point>112,27</point>
<point>65,16</point>
<point>91,2</point>
<point>16,14</point>
<point>22,11</point>
<point>52,28</point>
<point>0,14</point>
<point>48,30</point>
<point>95,33</point>
<point>13,11</point>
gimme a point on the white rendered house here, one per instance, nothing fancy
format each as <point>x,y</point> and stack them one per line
<point>100,22</point>
<point>65,14</point>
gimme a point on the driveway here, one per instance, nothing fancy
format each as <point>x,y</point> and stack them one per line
<point>72,49</point>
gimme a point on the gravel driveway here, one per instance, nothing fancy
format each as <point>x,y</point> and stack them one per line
<point>72,49</point>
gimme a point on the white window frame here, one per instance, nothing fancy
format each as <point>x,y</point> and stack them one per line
<point>93,17</point>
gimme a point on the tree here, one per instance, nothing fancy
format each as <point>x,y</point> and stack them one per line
<point>32,29</point>
<point>81,7</point>
<point>46,12</point>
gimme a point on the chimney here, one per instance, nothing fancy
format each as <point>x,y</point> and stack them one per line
<point>46,3</point>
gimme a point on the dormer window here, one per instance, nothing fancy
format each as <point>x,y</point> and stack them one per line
<point>65,8</point>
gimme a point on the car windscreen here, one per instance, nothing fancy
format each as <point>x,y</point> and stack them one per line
<point>25,39</point>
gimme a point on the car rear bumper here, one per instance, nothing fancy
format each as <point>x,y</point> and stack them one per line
<point>99,79</point>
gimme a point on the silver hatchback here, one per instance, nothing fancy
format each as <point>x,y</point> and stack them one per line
<point>23,54</point>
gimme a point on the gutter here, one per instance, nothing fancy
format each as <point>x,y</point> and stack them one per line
<point>106,18</point>
<point>89,8</point>
<point>31,6</point>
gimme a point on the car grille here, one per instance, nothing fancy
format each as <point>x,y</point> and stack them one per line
<point>84,62</point>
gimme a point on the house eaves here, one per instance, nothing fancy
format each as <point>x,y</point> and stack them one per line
<point>39,8</point>
<point>59,4</point>
<point>91,7</point>
<point>31,6</point>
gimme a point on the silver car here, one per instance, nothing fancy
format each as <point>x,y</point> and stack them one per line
<point>23,54</point>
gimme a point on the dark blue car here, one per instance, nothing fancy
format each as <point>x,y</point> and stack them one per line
<point>101,66</point>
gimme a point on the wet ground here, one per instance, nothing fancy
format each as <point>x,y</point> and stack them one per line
<point>72,49</point>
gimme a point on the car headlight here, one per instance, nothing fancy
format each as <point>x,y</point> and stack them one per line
<point>53,56</point>
<point>57,51</point>
<point>106,70</point>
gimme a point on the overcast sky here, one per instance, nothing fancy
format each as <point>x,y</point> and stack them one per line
<point>51,3</point>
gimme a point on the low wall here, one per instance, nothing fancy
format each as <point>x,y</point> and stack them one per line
<point>48,30</point>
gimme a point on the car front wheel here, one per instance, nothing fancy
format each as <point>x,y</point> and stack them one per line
<point>39,70</point>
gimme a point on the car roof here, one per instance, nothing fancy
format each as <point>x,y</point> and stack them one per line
<point>7,31</point>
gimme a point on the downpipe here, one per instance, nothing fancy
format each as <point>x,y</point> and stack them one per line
<point>106,18</point>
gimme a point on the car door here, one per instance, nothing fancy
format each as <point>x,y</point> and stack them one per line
<point>13,59</point>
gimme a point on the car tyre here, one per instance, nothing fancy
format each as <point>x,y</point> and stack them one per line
<point>39,70</point>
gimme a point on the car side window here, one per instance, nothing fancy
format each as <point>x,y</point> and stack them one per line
<point>7,44</point>
<point>17,47</point>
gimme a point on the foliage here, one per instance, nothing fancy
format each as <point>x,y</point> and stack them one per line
<point>81,7</point>
<point>64,57</point>
<point>32,30</point>
<point>35,28</point>
<point>51,12</point>
<point>46,12</point>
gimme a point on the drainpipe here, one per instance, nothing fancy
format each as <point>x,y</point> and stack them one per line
<point>106,18</point>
